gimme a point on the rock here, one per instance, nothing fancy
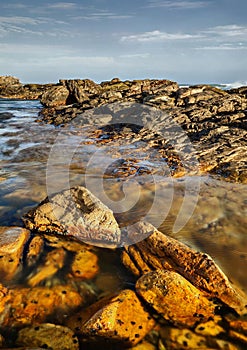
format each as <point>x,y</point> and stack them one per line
<point>84,265</point>
<point>48,336</point>
<point>10,86</point>
<point>12,243</point>
<point>26,306</point>
<point>159,251</point>
<point>173,297</point>
<point>55,96</point>
<point>120,320</point>
<point>181,339</point>
<point>211,328</point>
<point>78,213</point>
<point>52,263</point>
<point>35,249</point>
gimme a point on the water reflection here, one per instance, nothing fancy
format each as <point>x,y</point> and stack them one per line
<point>218,225</point>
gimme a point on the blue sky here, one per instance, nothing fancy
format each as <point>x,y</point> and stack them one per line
<point>189,41</point>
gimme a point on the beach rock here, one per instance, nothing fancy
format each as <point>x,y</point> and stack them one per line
<point>12,243</point>
<point>10,86</point>
<point>173,297</point>
<point>159,251</point>
<point>26,306</point>
<point>78,213</point>
<point>121,320</point>
<point>55,96</point>
<point>48,336</point>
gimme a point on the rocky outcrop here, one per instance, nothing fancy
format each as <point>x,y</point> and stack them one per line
<point>213,119</point>
<point>11,87</point>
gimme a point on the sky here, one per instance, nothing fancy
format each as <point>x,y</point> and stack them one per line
<point>189,41</point>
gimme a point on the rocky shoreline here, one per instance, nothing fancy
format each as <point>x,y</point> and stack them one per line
<point>214,120</point>
<point>52,295</point>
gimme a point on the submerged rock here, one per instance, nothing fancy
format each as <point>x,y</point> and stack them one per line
<point>48,336</point>
<point>26,306</point>
<point>12,243</point>
<point>78,213</point>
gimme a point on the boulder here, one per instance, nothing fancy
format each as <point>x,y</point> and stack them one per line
<point>121,320</point>
<point>78,213</point>
<point>159,251</point>
<point>174,298</point>
<point>55,96</point>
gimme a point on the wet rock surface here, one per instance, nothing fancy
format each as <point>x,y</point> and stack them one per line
<point>110,322</point>
<point>12,243</point>
<point>48,336</point>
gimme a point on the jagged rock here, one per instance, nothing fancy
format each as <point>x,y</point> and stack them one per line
<point>26,306</point>
<point>55,96</point>
<point>10,86</point>
<point>159,251</point>
<point>120,320</point>
<point>49,336</point>
<point>174,298</point>
<point>78,213</point>
<point>12,243</point>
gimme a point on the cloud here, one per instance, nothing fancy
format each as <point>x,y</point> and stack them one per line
<point>62,5</point>
<point>177,5</point>
<point>135,55</point>
<point>20,20</point>
<point>102,15</point>
<point>156,36</point>
<point>231,30</point>
<point>224,47</point>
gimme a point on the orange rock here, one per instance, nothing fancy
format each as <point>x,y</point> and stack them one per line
<point>84,265</point>
<point>175,298</point>
<point>48,336</point>
<point>12,242</point>
<point>121,319</point>
<point>27,306</point>
<point>159,251</point>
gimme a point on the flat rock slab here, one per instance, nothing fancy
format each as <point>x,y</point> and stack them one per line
<point>12,243</point>
<point>78,213</point>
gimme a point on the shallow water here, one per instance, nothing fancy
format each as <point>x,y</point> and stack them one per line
<point>127,175</point>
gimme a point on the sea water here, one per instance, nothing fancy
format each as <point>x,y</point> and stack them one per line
<point>215,224</point>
